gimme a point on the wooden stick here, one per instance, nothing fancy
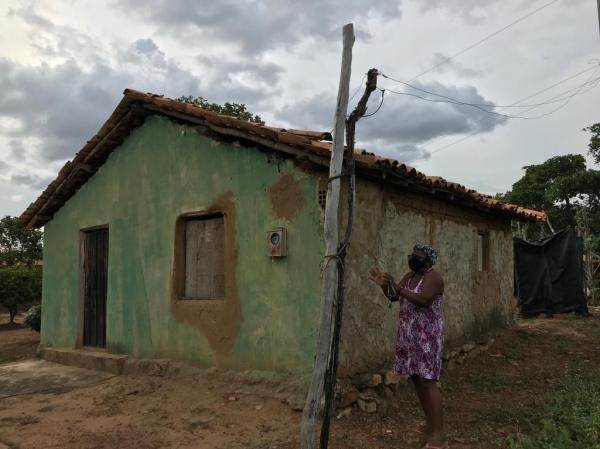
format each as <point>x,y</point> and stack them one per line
<point>331,372</point>
<point>598,1</point>
<point>330,271</point>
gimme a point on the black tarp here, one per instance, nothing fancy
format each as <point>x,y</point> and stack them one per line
<point>549,274</point>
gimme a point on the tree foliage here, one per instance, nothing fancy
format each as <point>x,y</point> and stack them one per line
<point>20,285</point>
<point>594,145</point>
<point>237,110</point>
<point>33,317</point>
<point>18,246</point>
<point>557,186</point>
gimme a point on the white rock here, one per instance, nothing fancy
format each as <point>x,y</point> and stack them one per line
<point>367,406</point>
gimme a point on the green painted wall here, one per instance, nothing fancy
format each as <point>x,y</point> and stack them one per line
<point>161,171</point>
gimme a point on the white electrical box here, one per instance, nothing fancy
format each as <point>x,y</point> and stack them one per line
<point>277,242</point>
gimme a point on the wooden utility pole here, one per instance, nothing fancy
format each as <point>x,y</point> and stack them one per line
<point>329,281</point>
<point>350,176</point>
<point>598,1</point>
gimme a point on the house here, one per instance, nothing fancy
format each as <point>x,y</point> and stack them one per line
<point>179,233</point>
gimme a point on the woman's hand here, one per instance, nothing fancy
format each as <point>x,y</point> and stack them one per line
<point>380,277</point>
<point>376,274</point>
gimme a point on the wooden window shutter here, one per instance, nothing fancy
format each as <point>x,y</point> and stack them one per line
<point>205,258</point>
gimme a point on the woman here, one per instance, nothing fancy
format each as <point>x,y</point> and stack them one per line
<point>420,333</point>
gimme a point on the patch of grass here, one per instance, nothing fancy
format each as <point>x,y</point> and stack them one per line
<point>524,334</point>
<point>484,381</point>
<point>513,414</point>
<point>564,345</point>
<point>514,355</point>
<point>571,419</point>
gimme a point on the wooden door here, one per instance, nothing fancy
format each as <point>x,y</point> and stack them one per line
<point>95,272</point>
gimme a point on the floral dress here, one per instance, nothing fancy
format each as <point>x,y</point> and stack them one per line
<point>420,337</point>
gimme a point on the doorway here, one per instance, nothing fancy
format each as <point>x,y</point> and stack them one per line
<point>95,275</point>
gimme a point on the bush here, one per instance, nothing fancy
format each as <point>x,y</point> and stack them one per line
<point>33,317</point>
<point>19,286</point>
<point>572,418</point>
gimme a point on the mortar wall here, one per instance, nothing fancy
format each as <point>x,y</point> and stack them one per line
<point>387,225</point>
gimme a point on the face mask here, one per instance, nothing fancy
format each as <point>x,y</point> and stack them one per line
<point>416,264</point>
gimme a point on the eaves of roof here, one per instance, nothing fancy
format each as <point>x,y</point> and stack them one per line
<point>315,146</point>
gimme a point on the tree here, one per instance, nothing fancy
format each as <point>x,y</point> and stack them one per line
<point>569,193</point>
<point>20,280</point>
<point>555,186</point>
<point>19,285</point>
<point>18,246</point>
<point>237,110</point>
<point>594,145</point>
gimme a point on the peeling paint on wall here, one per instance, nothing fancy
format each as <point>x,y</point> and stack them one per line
<point>287,197</point>
<point>219,319</point>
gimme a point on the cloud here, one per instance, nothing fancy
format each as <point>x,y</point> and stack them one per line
<point>473,12</point>
<point>403,124</point>
<point>60,106</point>
<point>446,64</point>
<point>315,112</point>
<point>57,108</point>
<point>31,180</point>
<point>3,167</point>
<point>253,70</point>
<point>255,27</point>
<point>50,40</point>
<point>146,46</point>
<point>413,120</point>
<point>49,110</point>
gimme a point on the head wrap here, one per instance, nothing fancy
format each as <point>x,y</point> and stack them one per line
<point>431,253</point>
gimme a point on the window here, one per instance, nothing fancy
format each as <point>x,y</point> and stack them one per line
<point>483,251</point>
<point>322,191</point>
<point>201,262</point>
<point>322,198</point>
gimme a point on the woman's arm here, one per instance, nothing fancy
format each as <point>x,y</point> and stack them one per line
<point>392,290</point>
<point>433,285</point>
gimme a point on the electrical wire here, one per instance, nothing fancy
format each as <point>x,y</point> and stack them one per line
<point>358,88</point>
<point>449,100</point>
<point>456,101</point>
<point>484,39</point>
<point>354,95</point>
<point>378,107</point>
<point>535,94</point>
<point>591,82</point>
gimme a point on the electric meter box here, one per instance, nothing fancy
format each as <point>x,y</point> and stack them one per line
<point>277,242</point>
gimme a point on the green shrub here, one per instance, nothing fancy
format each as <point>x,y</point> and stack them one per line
<point>571,419</point>
<point>33,318</point>
<point>20,286</point>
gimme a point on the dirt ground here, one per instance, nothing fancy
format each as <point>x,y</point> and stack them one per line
<point>17,341</point>
<point>487,398</point>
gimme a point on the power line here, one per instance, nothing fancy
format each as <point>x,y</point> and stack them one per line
<point>486,38</point>
<point>592,82</point>
<point>358,88</point>
<point>568,99</point>
<point>535,94</point>
<point>456,101</point>
<point>481,106</point>
<point>378,107</point>
<point>450,101</point>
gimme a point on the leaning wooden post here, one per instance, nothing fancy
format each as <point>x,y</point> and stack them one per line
<point>329,280</point>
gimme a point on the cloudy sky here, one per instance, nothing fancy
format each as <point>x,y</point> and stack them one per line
<point>64,65</point>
